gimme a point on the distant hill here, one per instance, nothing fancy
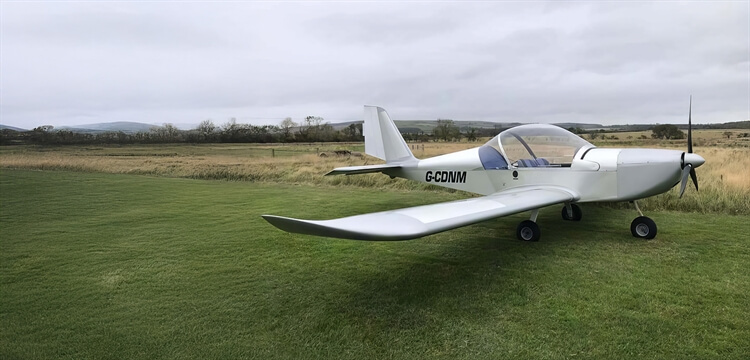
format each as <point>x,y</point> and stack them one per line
<point>415,126</point>
<point>344,125</point>
<point>427,126</point>
<point>124,126</point>
<point>730,125</point>
<point>580,126</point>
<point>3,127</point>
<point>405,126</point>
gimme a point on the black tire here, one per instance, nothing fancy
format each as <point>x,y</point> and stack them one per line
<point>577,213</point>
<point>643,227</point>
<point>528,230</point>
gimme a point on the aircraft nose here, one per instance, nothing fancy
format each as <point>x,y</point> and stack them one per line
<point>693,159</point>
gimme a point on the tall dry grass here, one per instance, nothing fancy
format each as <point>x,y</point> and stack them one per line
<point>235,163</point>
<point>724,180</point>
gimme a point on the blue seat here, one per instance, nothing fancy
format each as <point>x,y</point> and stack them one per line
<point>539,162</point>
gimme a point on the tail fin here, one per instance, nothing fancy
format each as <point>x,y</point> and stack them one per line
<point>382,138</point>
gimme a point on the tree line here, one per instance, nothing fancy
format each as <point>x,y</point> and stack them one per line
<point>311,129</point>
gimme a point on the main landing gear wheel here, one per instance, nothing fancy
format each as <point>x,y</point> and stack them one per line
<point>577,213</point>
<point>528,230</point>
<point>643,227</point>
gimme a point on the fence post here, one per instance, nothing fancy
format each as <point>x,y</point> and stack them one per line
<point>273,152</point>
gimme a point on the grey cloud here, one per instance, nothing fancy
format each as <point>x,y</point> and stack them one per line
<point>378,27</point>
<point>544,62</point>
<point>104,24</point>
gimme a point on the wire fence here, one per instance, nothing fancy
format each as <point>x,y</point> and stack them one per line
<point>322,150</point>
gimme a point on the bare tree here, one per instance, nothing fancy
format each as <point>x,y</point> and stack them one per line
<point>286,128</point>
<point>171,131</point>
<point>230,125</point>
<point>207,129</point>
<point>44,128</point>
<point>310,130</point>
<point>165,133</point>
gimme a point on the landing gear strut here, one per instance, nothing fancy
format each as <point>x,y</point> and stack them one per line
<point>571,212</point>
<point>642,227</point>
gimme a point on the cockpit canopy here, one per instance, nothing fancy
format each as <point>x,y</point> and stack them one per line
<point>536,145</point>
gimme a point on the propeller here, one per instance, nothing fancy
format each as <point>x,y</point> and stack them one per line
<point>687,164</point>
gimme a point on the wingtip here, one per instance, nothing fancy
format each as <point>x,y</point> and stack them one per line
<point>279,222</point>
<point>269,218</point>
<point>273,219</point>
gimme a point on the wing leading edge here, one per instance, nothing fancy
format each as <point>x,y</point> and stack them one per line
<point>418,221</point>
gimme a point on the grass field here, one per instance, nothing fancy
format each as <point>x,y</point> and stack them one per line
<point>96,265</point>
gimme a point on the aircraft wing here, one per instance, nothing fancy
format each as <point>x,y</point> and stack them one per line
<point>418,221</point>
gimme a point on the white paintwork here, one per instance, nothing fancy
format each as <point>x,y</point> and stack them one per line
<point>579,163</point>
<point>646,172</point>
<point>584,165</point>
<point>577,172</point>
<point>414,222</point>
<point>445,211</point>
<point>460,160</point>
<point>606,158</point>
<point>382,138</point>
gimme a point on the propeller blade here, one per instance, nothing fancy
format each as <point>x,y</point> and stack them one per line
<point>694,177</point>
<point>690,126</point>
<point>683,182</point>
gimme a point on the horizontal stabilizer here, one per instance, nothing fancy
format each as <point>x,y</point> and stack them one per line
<point>366,169</point>
<point>414,222</point>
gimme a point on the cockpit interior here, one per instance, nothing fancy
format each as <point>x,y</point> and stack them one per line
<point>536,145</point>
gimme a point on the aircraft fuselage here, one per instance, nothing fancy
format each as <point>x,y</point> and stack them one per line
<point>596,174</point>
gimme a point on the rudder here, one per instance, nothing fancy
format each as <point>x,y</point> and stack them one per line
<point>382,138</point>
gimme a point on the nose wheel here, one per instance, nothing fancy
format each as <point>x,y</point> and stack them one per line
<point>643,227</point>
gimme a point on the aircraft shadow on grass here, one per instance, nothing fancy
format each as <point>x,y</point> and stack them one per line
<point>407,295</point>
<point>455,277</point>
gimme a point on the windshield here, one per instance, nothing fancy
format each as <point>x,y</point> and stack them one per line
<point>538,145</point>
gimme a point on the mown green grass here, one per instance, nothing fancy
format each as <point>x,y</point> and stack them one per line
<point>123,266</point>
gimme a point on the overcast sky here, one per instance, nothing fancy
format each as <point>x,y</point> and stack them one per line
<point>69,63</point>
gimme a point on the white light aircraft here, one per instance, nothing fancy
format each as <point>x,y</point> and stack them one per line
<point>524,168</point>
